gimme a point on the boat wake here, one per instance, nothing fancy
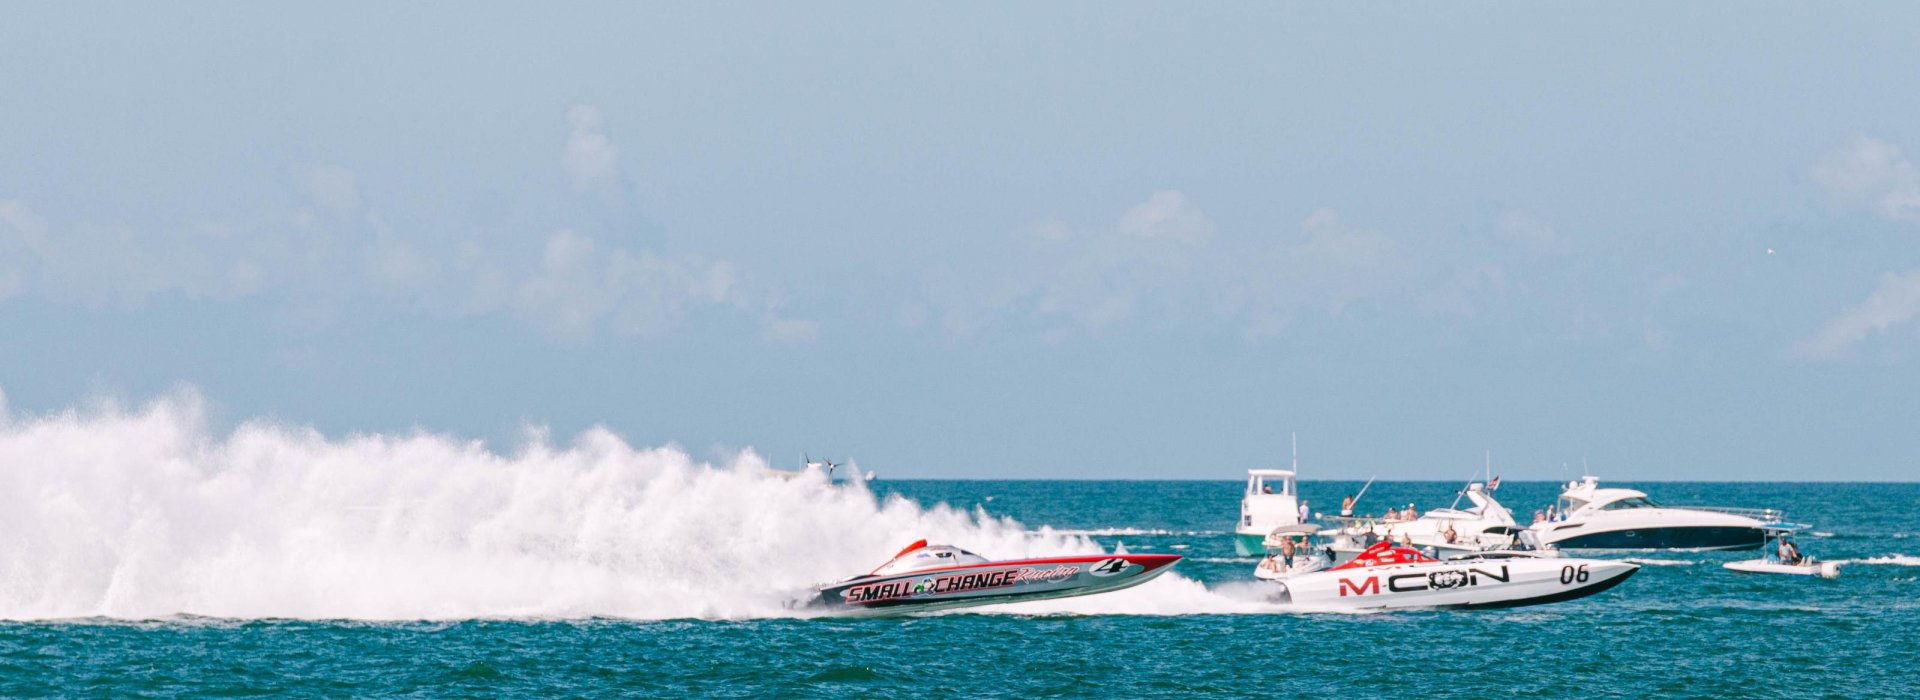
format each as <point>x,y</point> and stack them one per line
<point>1046,531</point>
<point>1659,562</point>
<point>147,514</point>
<point>1889,560</point>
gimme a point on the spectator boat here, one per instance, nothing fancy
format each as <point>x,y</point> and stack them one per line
<point>1485,525</point>
<point>1309,554</point>
<point>1591,517</point>
<point>1774,563</point>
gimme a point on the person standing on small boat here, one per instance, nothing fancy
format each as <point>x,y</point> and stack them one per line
<point>1346,507</point>
<point>1286,552</point>
<point>1305,512</point>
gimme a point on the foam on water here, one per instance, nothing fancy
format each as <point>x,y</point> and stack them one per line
<point>147,514</point>
<point>1890,560</point>
<point>1658,562</point>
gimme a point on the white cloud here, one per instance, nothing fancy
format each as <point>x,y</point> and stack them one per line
<point>1336,266</point>
<point>1896,300</point>
<point>336,254</point>
<point>579,289</point>
<point>591,160</point>
<point>1527,229</point>
<point>792,331</point>
<point>332,188</point>
<point>1167,214</point>
<point>23,239</point>
<point>107,264</point>
<point>1074,281</point>
<point>1874,174</point>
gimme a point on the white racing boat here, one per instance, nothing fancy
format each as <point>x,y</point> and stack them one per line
<point>1293,550</point>
<point>1387,577</point>
<point>1783,556</point>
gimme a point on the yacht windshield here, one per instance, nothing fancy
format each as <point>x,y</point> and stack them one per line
<point>1634,502</point>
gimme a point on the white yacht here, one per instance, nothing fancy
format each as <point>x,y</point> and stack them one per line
<point>1590,517</point>
<point>1271,501</point>
<point>1481,527</point>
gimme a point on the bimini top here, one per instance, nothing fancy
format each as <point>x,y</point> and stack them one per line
<point>920,555</point>
<point>1385,554</point>
<point>1270,472</point>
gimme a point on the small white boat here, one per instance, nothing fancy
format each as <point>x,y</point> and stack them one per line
<point>1776,561</point>
<point>1387,577</point>
<point>1308,554</point>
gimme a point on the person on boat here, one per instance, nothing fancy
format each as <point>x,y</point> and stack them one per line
<point>1286,552</point>
<point>1346,506</point>
<point>1450,534</point>
<point>1411,513</point>
<point>1370,538</point>
<point>1789,553</point>
<point>1539,516</point>
<point>1305,512</point>
<point>1406,540</point>
<point>1266,489</point>
<point>1392,513</point>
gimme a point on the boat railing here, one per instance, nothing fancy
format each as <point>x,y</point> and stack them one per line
<point>1763,514</point>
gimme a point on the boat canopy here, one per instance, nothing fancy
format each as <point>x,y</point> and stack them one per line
<point>1274,482</point>
<point>921,555</point>
<point>1385,554</point>
<point>1301,529</point>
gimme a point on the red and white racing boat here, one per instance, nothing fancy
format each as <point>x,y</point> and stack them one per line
<point>926,577</point>
<point>1387,577</point>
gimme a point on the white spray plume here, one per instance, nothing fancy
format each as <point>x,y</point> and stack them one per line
<point>147,514</point>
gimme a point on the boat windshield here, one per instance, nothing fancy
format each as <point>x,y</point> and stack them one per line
<point>929,557</point>
<point>1632,502</point>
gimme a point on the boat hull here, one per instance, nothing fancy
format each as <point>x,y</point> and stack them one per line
<point>992,583</point>
<point>1475,583</point>
<point>1704,538</point>
<point>1249,545</point>
<point>1822,569</point>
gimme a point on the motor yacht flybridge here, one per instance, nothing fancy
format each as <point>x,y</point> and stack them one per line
<point>1590,517</point>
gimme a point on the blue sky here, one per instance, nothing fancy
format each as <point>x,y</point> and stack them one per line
<point>1077,240</point>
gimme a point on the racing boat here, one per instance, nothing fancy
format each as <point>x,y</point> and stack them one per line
<point>1307,556</point>
<point>1775,563</point>
<point>1386,577</point>
<point>926,577</point>
<point>1591,517</point>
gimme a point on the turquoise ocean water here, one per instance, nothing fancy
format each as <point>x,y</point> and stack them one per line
<point>1682,626</point>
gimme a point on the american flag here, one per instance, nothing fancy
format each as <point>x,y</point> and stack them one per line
<point>1494,485</point>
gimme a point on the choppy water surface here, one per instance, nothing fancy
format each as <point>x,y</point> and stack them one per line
<point>671,582</point>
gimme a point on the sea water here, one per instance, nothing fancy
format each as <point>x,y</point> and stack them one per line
<point>140,554</point>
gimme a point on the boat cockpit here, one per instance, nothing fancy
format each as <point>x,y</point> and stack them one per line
<point>920,555</point>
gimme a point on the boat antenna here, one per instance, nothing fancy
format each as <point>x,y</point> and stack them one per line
<point>1296,454</point>
<point>1363,489</point>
